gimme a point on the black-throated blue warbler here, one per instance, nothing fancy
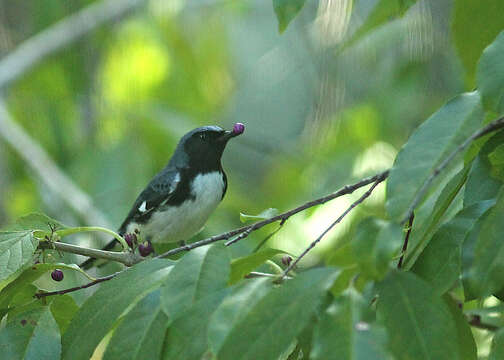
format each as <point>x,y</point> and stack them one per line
<point>179,199</point>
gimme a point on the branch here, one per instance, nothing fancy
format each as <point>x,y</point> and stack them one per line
<point>475,320</point>
<point>34,50</point>
<point>406,239</point>
<point>126,258</point>
<point>493,126</point>
<point>65,291</point>
<point>348,189</point>
<point>338,220</point>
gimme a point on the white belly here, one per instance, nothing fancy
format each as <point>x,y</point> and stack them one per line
<point>186,220</point>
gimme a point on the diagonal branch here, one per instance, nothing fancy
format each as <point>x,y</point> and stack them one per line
<point>493,126</point>
<point>34,50</point>
<point>338,220</point>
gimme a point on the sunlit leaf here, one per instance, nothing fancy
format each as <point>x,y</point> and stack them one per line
<point>244,265</point>
<point>497,350</point>
<point>16,251</point>
<point>266,214</point>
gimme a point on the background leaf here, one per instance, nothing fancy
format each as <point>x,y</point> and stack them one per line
<point>497,350</point>
<point>285,11</point>
<point>470,43</point>
<point>16,251</point>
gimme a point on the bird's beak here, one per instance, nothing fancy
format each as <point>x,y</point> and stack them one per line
<point>228,135</point>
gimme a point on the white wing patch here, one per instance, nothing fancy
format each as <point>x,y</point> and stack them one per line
<point>143,207</point>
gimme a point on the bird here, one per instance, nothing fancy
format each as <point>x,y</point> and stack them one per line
<point>177,202</point>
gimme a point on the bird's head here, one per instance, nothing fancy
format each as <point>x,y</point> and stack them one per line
<point>203,147</point>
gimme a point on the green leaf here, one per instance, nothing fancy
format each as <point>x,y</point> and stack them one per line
<point>465,340</point>
<point>98,314</point>
<point>244,265</point>
<point>63,309</point>
<point>199,273</point>
<point>440,211</point>
<point>440,262</point>
<point>343,330</point>
<point>271,322</point>
<point>31,335</point>
<point>497,349</point>
<point>37,221</point>
<point>486,274</point>
<point>481,185</point>
<point>470,43</point>
<point>490,75</point>
<point>266,214</point>
<point>427,147</point>
<point>408,307</point>
<point>187,336</point>
<point>16,251</point>
<point>141,333</point>
<point>375,244</point>
<point>285,11</point>
<point>496,159</point>
<point>384,11</point>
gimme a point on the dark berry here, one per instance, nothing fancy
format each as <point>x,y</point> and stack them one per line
<point>238,128</point>
<point>286,260</point>
<point>130,239</point>
<point>57,275</point>
<point>145,250</point>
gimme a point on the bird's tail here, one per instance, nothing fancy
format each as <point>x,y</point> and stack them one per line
<point>90,262</point>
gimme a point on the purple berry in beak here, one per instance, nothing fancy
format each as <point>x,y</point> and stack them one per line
<point>238,128</point>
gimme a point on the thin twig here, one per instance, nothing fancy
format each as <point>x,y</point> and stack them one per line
<point>406,239</point>
<point>126,258</point>
<point>338,220</point>
<point>493,126</point>
<point>348,189</point>
<point>34,50</point>
<point>65,291</point>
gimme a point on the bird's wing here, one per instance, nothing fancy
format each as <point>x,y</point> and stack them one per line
<point>159,191</point>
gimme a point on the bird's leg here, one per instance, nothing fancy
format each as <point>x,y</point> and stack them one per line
<point>182,243</point>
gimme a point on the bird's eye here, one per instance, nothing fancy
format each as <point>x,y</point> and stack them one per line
<point>202,136</point>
